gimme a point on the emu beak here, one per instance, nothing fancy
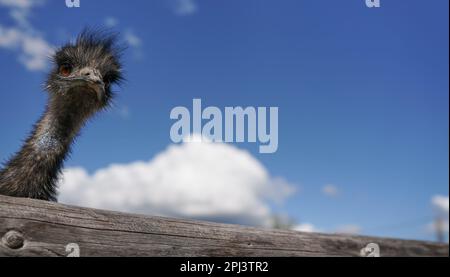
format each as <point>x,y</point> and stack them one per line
<point>94,81</point>
<point>99,89</point>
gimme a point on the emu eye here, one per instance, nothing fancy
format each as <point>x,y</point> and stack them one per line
<point>65,70</point>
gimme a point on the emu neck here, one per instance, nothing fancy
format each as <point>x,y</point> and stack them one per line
<point>60,124</point>
<point>33,171</point>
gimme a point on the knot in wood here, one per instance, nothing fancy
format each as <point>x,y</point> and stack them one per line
<point>13,240</point>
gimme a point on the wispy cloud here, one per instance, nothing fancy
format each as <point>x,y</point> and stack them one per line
<point>184,7</point>
<point>440,203</point>
<point>111,21</point>
<point>330,190</point>
<point>20,4</point>
<point>307,228</point>
<point>201,180</point>
<point>134,41</point>
<point>124,112</point>
<point>440,226</point>
<point>349,229</point>
<point>32,49</point>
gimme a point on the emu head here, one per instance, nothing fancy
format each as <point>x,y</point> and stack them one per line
<point>85,70</point>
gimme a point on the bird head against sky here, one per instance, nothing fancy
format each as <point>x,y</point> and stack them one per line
<point>84,71</point>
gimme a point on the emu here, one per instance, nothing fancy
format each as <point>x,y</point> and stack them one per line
<point>79,86</point>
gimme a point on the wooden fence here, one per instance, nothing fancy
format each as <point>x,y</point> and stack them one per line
<point>37,228</point>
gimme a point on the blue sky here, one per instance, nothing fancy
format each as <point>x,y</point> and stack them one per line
<point>362,94</point>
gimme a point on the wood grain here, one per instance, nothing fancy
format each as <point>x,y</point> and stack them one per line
<point>37,228</point>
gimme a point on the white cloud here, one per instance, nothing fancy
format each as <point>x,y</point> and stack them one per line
<point>9,38</point>
<point>432,227</point>
<point>111,22</point>
<point>135,43</point>
<point>21,17</point>
<point>209,181</point>
<point>306,227</point>
<point>32,48</point>
<point>440,203</point>
<point>184,7</point>
<point>35,52</point>
<point>132,39</point>
<point>350,229</point>
<point>19,10</point>
<point>124,112</point>
<point>21,4</point>
<point>330,190</point>
<point>129,35</point>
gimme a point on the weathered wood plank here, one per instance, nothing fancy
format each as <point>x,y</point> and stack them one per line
<point>37,228</point>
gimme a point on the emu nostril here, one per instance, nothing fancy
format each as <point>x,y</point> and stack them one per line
<point>87,72</point>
